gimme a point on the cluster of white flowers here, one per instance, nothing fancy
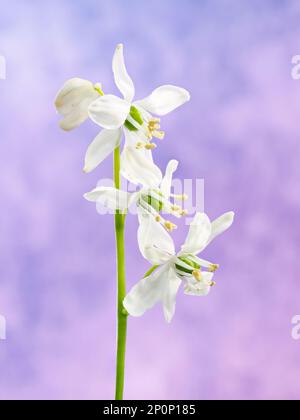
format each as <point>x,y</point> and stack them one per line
<point>139,121</point>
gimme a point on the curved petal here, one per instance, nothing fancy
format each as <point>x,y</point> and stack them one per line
<point>199,288</point>
<point>170,293</point>
<point>146,293</point>
<point>73,100</point>
<point>132,138</point>
<point>73,120</point>
<point>155,244</point>
<point>168,178</point>
<point>198,236</point>
<point>221,224</point>
<point>72,93</point>
<point>101,147</point>
<point>136,168</point>
<point>122,79</point>
<point>109,111</point>
<point>109,197</point>
<point>165,99</point>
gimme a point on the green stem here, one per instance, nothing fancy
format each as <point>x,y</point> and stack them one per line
<point>121,314</point>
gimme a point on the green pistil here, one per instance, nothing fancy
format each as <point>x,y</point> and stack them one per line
<point>153,202</point>
<point>189,262</point>
<point>136,115</point>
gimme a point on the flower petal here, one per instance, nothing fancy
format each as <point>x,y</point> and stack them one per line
<point>101,147</point>
<point>168,178</point>
<point>132,138</point>
<point>170,293</point>
<point>145,294</point>
<point>198,236</point>
<point>136,168</point>
<point>194,287</point>
<point>110,197</point>
<point>165,99</point>
<point>109,111</point>
<point>221,224</point>
<point>122,79</point>
<point>73,100</point>
<point>155,244</point>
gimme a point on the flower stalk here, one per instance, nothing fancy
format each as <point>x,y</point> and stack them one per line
<point>121,287</point>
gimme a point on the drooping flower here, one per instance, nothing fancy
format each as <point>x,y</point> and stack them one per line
<point>173,269</point>
<point>151,200</point>
<point>80,99</point>
<point>73,100</point>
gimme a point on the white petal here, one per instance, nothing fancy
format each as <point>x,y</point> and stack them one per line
<point>221,224</point>
<point>122,79</point>
<point>198,236</point>
<point>155,243</point>
<point>136,168</point>
<point>134,137</point>
<point>170,293</point>
<point>146,293</point>
<point>165,99</point>
<point>73,100</point>
<point>101,147</point>
<point>168,178</point>
<point>109,111</point>
<point>110,197</point>
<point>198,288</point>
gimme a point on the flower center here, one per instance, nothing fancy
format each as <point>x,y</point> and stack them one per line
<point>190,265</point>
<point>136,116</point>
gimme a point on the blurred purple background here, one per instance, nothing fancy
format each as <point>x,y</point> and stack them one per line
<point>240,132</point>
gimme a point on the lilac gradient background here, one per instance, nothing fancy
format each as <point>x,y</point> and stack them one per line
<point>240,132</point>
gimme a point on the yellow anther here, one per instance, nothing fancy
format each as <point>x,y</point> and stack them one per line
<point>184,213</point>
<point>170,226</point>
<point>158,134</point>
<point>213,283</point>
<point>154,129</point>
<point>213,267</point>
<point>180,197</point>
<point>150,146</point>
<point>176,208</point>
<point>197,275</point>
<point>158,219</point>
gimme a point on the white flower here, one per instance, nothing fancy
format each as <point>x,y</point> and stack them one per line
<point>73,101</point>
<point>152,199</point>
<point>134,118</point>
<point>173,270</point>
<point>79,99</point>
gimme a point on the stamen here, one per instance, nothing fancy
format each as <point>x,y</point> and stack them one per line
<point>150,146</point>
<point>176,208</point>
<point>184,213</point>
<point>213,284</point>
<point>158,219</point>
<point>153,129</point>
<point>180,197</point>
<point>140,145</point>
<point>197,275</point>
<point>170,226</point>
<point>158,134</point>
<point>213,268</point>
